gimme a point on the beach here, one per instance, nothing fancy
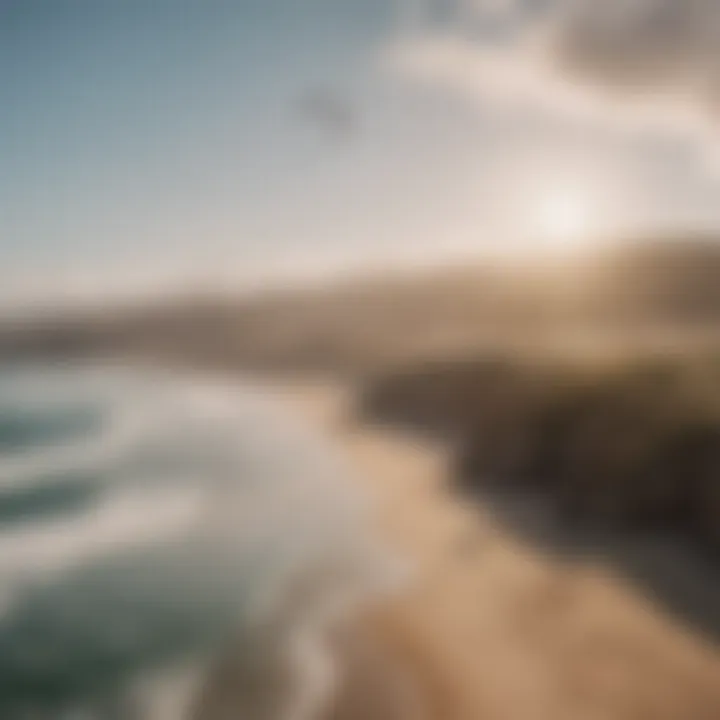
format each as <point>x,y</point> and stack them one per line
<point>486,626</point>
<point>360,360</point>
<point>311,564</point>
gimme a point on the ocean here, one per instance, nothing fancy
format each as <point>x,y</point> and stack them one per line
<point>152,525</point>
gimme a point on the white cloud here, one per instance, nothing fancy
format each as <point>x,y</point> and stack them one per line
<point>526,77</point>
<point>637,64</point>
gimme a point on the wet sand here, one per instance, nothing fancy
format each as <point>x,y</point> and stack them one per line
<point>488,627</point>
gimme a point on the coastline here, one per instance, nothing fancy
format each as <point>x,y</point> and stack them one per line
<point>488,627</point>
<point>484,625</point>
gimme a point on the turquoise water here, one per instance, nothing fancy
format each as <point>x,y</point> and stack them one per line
<point>147,522</point>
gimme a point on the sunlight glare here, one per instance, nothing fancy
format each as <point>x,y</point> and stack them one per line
<point>563,219</point>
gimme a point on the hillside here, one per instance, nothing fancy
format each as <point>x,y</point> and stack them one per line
<point>655,293</point>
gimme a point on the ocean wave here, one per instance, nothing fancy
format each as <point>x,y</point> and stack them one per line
<point>186,514</point>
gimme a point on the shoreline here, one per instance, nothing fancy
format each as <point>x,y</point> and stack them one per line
<point>489,627</point>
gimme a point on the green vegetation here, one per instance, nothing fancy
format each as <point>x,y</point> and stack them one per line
<point>634,444</point>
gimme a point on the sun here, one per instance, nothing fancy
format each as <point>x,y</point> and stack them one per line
<point>563,219</point>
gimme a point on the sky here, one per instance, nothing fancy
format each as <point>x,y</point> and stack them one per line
<point>145,143</point>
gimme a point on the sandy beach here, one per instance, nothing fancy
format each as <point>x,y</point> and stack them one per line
<point>469,251</point>
<point>488,627</point>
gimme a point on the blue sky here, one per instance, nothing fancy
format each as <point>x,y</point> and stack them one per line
<point>219,139</point>
<point>127,124</point>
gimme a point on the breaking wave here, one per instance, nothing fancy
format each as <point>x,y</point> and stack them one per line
<point>148,526</point>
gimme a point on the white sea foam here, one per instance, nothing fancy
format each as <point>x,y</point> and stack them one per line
<point>207,510</point>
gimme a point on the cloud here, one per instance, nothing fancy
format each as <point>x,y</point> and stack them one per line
<point>639,63</point>
<point>642,47</point>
